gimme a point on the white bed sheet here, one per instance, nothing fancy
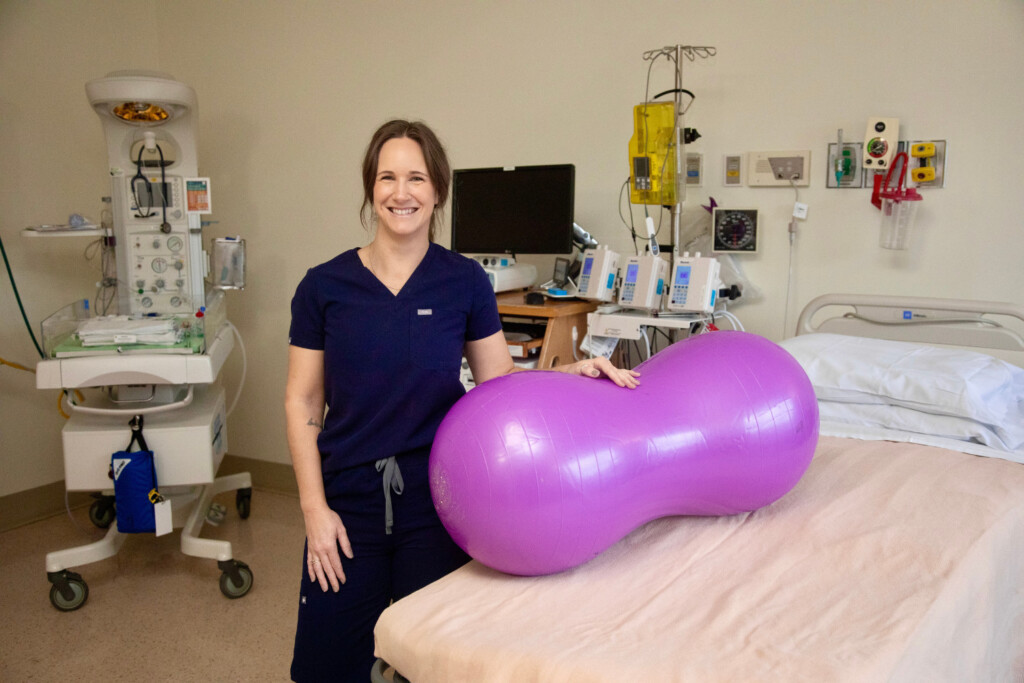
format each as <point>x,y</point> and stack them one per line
<point>888,561</point>
<point>880,433</point>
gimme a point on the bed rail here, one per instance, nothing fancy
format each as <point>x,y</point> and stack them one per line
<point>992,326</point>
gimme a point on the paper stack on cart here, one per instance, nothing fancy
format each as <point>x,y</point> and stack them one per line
<point>122,329</point>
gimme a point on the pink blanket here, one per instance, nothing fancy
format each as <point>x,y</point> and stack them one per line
<point>887,561</point>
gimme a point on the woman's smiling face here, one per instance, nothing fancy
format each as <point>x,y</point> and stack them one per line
<point>403,194</point>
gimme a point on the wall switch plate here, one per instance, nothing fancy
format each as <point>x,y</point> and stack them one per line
<point>853,175</point>
<point>779,169</point>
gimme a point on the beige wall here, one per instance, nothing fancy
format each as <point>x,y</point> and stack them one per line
<point>290,91</point>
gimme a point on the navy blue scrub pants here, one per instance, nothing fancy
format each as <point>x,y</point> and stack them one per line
<point>334,637</point>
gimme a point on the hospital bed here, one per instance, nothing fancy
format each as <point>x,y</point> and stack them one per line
<point>898,555</point>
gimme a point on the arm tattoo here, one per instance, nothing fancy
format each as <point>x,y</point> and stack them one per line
<point>313,422</point>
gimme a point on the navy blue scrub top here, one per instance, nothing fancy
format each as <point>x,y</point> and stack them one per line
<point>391,363</point>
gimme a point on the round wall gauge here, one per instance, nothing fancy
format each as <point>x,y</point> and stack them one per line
<point>735,230</point>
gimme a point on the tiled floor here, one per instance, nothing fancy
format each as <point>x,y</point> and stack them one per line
<point>154,614</point>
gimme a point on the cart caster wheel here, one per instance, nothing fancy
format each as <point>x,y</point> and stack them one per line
<point>68,592</point>
<point>243,501</point>
<point>101,512</point>
<point>236,580</point>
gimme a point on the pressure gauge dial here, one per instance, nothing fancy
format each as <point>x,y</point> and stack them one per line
<point>878,147</point>
<point>159,264</point>
<point>174,243</point>
<point>735,230</point>
<point>881,142</point>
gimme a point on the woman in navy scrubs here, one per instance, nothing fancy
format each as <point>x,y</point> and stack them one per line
<point>377,339</point>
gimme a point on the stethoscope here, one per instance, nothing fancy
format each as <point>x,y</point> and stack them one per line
<point>148,187</point>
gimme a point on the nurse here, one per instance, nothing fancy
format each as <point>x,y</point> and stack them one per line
<point>376,344</point>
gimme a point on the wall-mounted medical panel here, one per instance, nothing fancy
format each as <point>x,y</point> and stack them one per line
<point>779,169</point>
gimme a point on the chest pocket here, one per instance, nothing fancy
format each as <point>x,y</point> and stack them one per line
<point>436,338</point>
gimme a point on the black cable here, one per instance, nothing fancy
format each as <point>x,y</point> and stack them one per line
<point>17,296</point>
<point>675,90</point>
<point>629,226</point>
<point>139,175</point>
<point>165,226</point>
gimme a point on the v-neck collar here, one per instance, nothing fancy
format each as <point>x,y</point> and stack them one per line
<point>414,276</point>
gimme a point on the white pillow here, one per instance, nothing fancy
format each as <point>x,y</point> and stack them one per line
<point>914,421</point>
<point>933,380</point>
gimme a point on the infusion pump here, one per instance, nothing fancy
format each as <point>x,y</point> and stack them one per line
<point>644,282</point>
<point>692,286</point>
<point>597,276</point>
<point>695,283</point>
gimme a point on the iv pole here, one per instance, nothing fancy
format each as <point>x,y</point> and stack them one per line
<point>676,54</point>
<point>680,138</point>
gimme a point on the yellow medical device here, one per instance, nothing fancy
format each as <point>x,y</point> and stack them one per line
<point>652,154</point>
<point>925,173</point>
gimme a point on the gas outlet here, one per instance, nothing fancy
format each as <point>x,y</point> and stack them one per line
<point>851,174</point>
<point>927,163</point>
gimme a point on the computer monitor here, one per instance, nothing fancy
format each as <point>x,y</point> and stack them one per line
<point>521,210</point>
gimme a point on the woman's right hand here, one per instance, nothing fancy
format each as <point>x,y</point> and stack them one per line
<point>324,533</point>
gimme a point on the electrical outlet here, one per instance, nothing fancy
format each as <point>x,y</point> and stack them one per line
<point>779,169</point>
<point>852,172</point>
<point>694,169</point>
<point>733,170</point>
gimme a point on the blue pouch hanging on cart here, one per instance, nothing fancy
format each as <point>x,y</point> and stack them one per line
<point>135,490</point>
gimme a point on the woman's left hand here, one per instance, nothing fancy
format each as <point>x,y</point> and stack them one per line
<point>601,366</point>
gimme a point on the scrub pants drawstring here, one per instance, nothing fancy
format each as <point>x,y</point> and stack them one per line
<point>392,481</point>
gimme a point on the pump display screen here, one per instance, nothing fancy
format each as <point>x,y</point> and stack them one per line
<point>683,275</point>
<point>632,270</point>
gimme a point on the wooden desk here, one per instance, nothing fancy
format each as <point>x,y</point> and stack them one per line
<point>559,316</point>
